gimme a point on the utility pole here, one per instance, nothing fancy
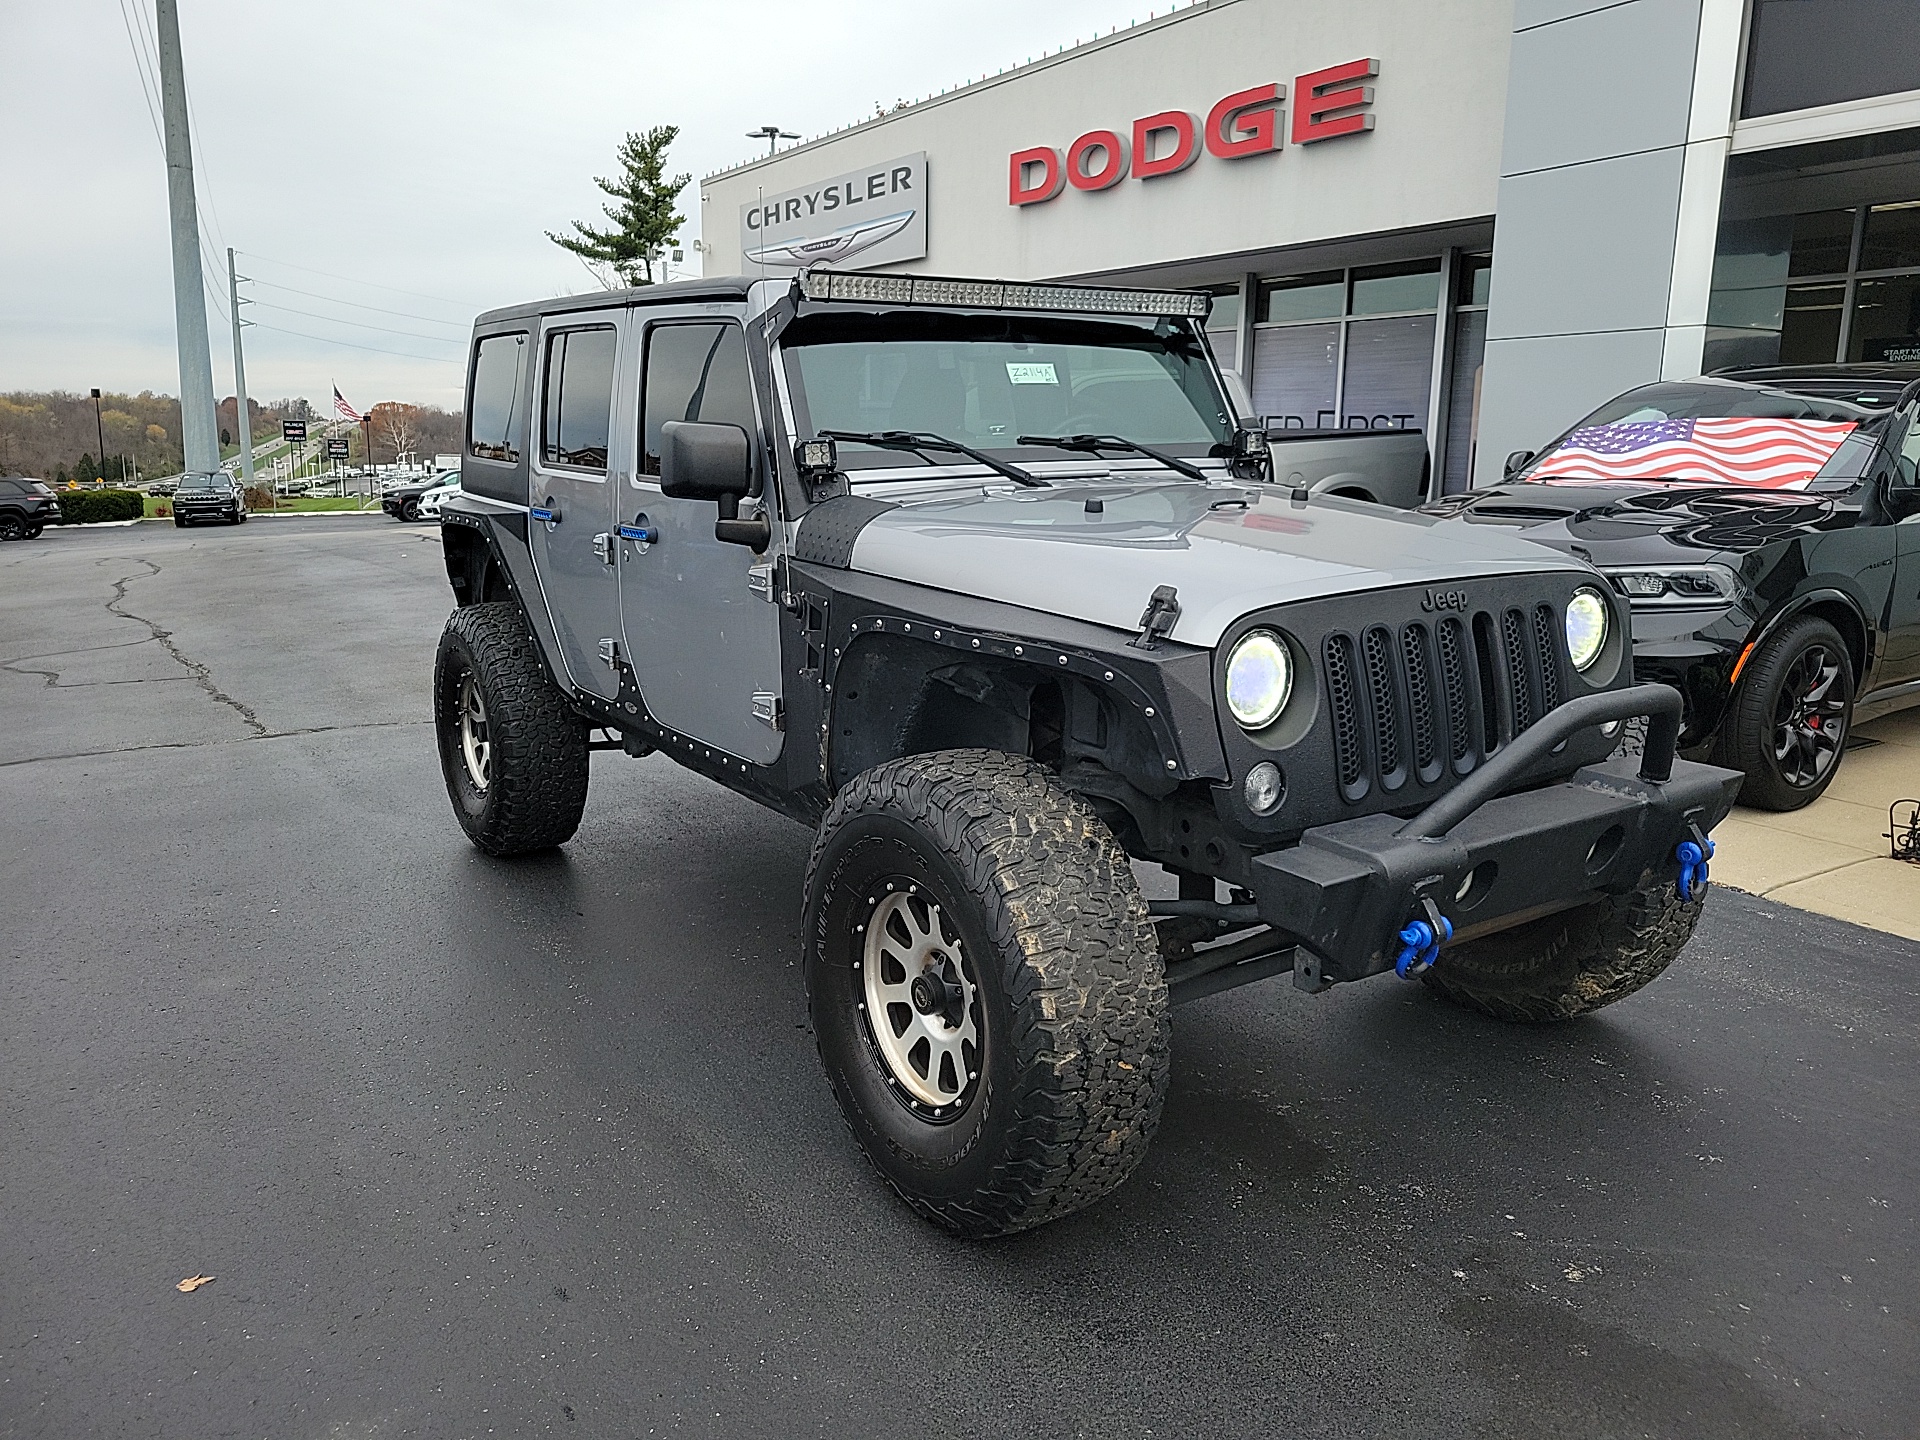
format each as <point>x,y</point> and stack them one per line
<point>199,431</point>
<point>240,375</point>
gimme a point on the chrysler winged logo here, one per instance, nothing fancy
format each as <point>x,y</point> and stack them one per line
<point>827,249</point>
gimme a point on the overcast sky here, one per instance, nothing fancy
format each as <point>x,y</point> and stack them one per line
<point>417,145</point>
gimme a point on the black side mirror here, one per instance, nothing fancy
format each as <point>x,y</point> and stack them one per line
<point>1517,461</point>
<point>703,461</point>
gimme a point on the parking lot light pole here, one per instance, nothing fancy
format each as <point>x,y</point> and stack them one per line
<point>100,434</point>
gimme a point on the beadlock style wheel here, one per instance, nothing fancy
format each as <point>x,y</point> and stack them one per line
<point>922,1005</point>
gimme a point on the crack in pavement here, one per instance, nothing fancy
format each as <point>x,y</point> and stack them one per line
<point>187,662</point>
<point>203,744</point>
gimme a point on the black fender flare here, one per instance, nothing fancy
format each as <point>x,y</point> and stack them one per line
<point>1797,605</point>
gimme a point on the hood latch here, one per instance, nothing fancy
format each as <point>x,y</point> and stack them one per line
<point>1162,613</point>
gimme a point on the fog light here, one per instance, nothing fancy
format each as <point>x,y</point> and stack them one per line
<point>1264,788</point>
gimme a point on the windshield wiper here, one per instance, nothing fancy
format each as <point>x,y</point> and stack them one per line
<point>1094,444</point>
<point>924,440</point>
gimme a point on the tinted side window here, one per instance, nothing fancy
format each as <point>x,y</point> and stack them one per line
<point>499,362</point>
<point>694,372</point>
<point>1907,464</point>
<point>578,398</point>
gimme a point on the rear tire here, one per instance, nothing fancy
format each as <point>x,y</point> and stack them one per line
<point>12,527</point>
<point>1570,964</point>
<point>1012,904</point>
<point>512,750</point>
<point>1787,728</point>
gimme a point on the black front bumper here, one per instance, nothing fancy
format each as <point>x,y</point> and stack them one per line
<point>1488,860</point>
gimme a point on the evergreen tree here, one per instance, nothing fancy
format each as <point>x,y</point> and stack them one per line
<point>644,220</point>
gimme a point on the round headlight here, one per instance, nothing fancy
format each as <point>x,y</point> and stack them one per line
<point>1586,627</point>
<point>1259,679</point>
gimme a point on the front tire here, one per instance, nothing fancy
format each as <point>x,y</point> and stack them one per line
<point>512,750</point>
<point>965,914</point>
<point>1572,963</point>
<point>410,510</point>
<point>1787,729</point>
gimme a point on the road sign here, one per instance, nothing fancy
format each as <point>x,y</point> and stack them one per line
<point>293,431</point>
<point>336,449</point>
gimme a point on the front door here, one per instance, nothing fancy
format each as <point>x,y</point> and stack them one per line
<point>698,614</point>
<point>1902,665</point>
<point>570,524</point>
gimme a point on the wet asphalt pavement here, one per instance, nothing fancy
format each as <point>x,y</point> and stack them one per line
<point>485,1148</point>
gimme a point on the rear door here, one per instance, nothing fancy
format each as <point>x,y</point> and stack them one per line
<point>570,523</point>
<point>698,614</point>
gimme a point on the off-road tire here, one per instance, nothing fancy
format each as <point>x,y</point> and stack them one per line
<point>1562,966</point>
<point>538,782</point>
<point>1073,997</point>
<point>1746,735</point>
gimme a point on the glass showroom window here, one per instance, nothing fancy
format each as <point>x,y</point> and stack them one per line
<point>1347,349</point>
<point>1817,287</point>
<point>1473,287</point>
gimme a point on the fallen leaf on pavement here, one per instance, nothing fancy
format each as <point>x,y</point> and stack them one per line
<point>194,1282</point>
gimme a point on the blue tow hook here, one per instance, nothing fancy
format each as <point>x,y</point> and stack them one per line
<point>1420,942</point>
<point>1693,856</point>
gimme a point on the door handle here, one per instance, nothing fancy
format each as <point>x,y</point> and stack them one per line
<point>644,534</point>
<point>545,512</point>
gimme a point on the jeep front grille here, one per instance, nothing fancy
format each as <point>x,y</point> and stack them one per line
<point>1441,694</point>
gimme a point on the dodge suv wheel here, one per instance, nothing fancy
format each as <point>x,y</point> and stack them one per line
<point>1789,722</point>
<point>513,753</point>
<point>985,988</point>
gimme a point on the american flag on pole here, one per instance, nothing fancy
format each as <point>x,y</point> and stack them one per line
<point>342,409</point>
<point>1750,450</point>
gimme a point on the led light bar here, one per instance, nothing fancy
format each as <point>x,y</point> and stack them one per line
<point>999,294</point>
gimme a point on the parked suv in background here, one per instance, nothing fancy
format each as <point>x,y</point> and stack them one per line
<point>1764,524</point>
<point>989,583</point>
<point>26,508</point>
<point>403,501</point>
<point>209,497</point>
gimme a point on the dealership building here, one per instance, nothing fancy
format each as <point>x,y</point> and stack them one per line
<point>1475,218</point>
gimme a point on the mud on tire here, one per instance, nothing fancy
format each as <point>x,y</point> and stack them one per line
<point>1566,965</point>
<point>1062,973</point>
<point>525,790</point>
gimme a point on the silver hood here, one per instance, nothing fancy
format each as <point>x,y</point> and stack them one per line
<point>1227,549</point>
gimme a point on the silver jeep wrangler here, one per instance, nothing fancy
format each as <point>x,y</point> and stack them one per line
<point>986,582</point>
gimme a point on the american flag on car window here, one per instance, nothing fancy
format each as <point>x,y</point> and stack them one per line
<point>1771,454</point>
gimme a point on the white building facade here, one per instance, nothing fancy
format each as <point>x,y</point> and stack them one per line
<point>1474,218</point>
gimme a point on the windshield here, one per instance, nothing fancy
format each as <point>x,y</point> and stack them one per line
<point>985,380</point>
<point>1715,432</point>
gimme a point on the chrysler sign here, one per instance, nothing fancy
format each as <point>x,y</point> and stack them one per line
<point>1326,104</point>
<point>874,216</point>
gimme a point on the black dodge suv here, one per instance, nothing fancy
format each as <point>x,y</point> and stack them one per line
<point>26,507</point>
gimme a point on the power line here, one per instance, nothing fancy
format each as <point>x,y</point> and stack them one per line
<point>369,284</point>
<point>328,340</point>
<point>357,324</point>
<point>358,305</point>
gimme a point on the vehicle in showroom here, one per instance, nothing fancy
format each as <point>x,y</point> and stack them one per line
<point>987,583</point>
<point>403,501</point>
<point>216,496</point>
<point>26,508</point>
<point>1764,525</point>
<point>430,499</point>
